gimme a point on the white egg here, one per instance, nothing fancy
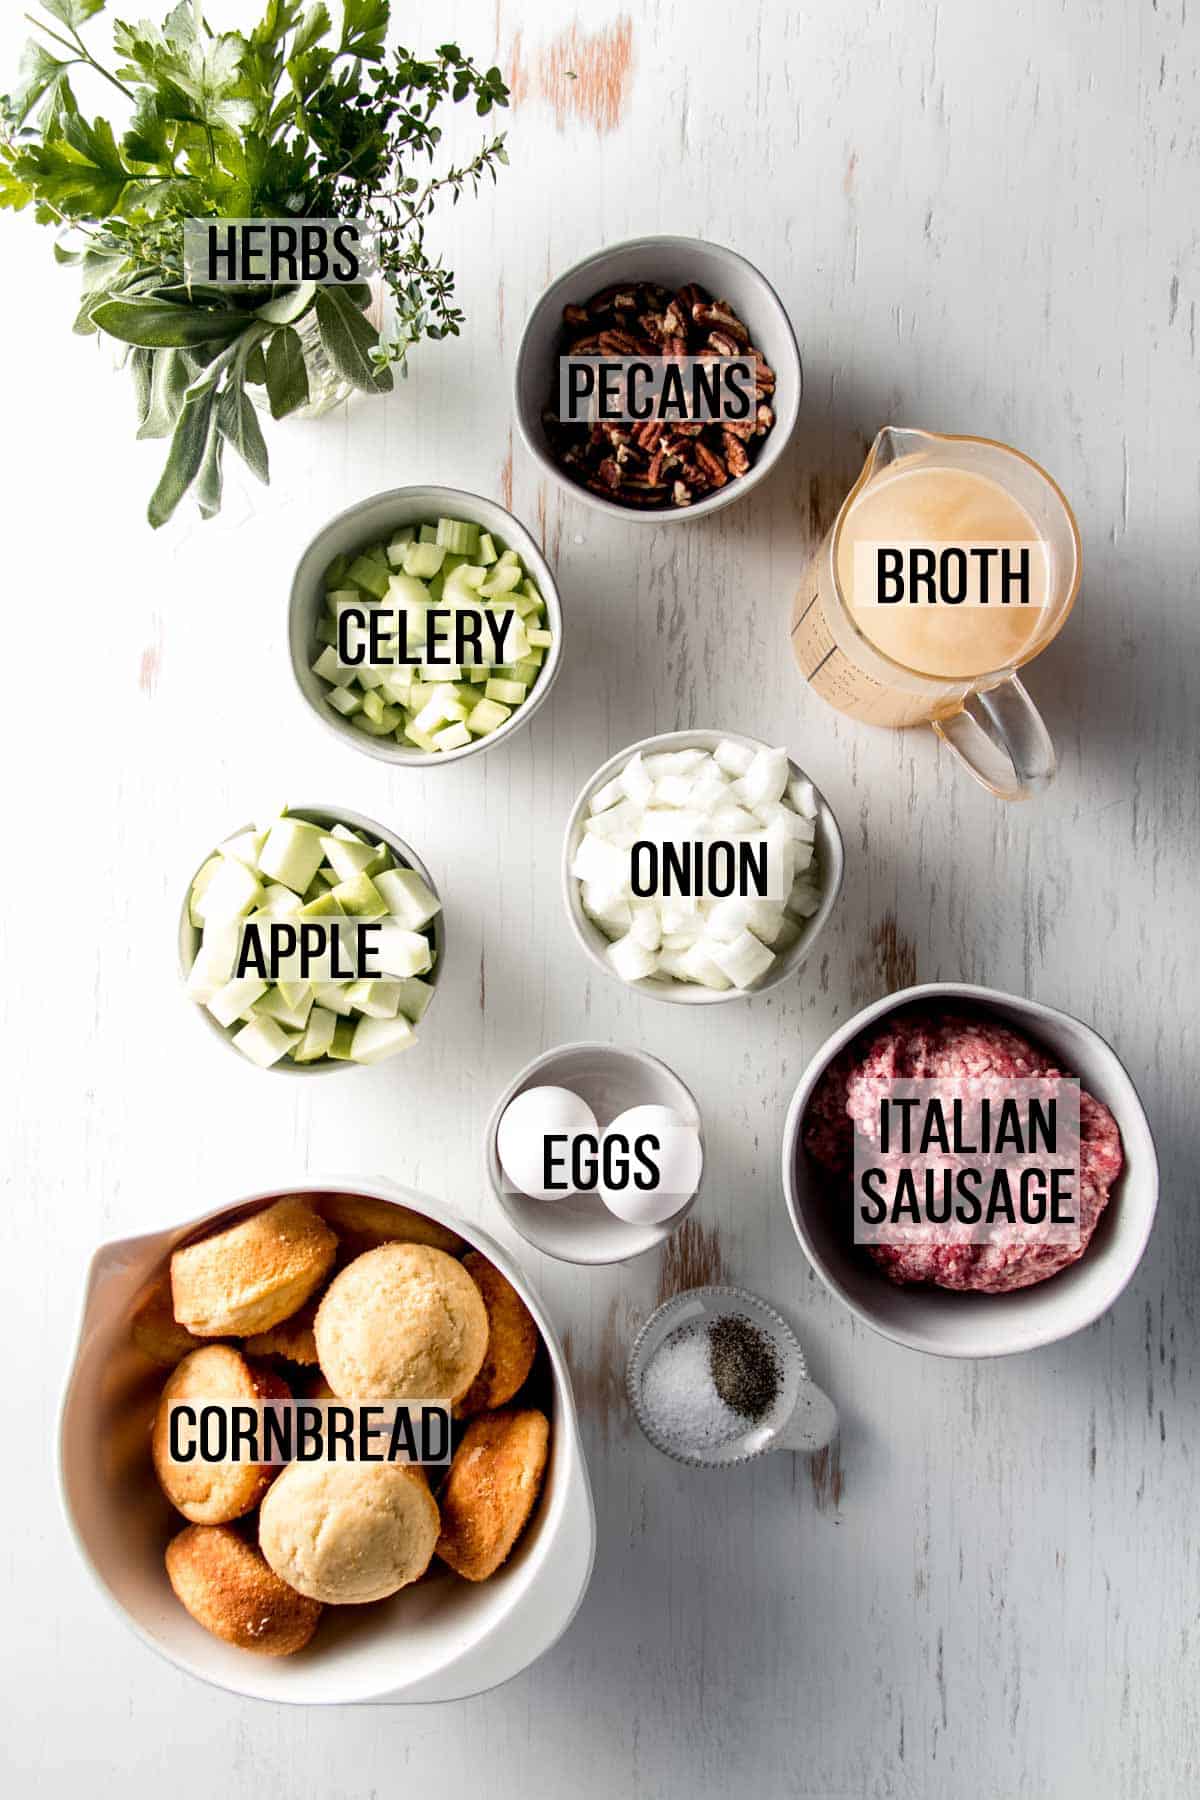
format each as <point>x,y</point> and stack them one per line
<point>679,1160</point>
<point>527,1121</point>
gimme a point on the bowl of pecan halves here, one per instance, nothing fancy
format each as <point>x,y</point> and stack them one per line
<point>659,299</point>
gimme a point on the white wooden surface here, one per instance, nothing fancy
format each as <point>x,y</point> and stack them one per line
<point>982,218</point>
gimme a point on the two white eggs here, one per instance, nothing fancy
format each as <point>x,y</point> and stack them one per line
<point>541,1112</point>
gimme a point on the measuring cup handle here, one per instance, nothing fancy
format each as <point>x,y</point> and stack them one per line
<point>813,1423</point>
<point>1009,748</point>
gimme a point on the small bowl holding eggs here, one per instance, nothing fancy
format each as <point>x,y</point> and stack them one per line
<point>608,1101</point>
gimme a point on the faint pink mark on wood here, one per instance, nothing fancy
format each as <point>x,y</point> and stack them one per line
<point>581,74</point>
<point>150,666</point>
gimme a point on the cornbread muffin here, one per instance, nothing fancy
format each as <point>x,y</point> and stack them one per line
<point>363,1223</point>
<point>403,1322</point>
<point>255,1274</point>
<point>212,1493</point>
<point>155,1330</point>
<point>292,1338</point>
<point>348,1533</point>
<point>230,1590</point>
<point>492,1488</point>
<point>512,1340</point>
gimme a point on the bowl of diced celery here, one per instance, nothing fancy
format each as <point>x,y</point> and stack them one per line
<point>463,612</point>
<point>700,788</point>
<point>312,862</point>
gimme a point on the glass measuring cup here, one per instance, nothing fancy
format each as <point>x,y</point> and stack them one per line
<point>986,717</point>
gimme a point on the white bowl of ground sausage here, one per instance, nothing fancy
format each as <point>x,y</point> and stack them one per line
<point>936,1320</point>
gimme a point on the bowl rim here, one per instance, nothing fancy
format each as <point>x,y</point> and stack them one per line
<point>520,538</point>
<point>781,432</point>
<point>188,934</point>
<point>985,998</point>
<point>656,1234</point>
<point>678,993</point>
<point>566,1419</point>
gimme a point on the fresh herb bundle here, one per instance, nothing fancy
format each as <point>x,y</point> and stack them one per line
<point>292,119</point>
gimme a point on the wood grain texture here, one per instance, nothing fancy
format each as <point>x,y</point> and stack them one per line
<point>981,218</point>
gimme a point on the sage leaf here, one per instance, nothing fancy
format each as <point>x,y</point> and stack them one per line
<point>184,459</point>
<point>158,323</point>
<point>167,389</point>
<point>285,309</point>
<point>210,480</point>
<point>141,366</point>
<point>287,375</point>
<point>348,339</point>
<point>238,423</point>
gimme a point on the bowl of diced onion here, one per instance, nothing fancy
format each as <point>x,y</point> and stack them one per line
<point>414,564</point>
<point>692,786</point>
<point>312,862</point>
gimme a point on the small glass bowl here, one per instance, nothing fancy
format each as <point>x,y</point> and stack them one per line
<point>801,1416</point>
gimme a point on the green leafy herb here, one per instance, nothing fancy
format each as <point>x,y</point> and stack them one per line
<point>307,114</point>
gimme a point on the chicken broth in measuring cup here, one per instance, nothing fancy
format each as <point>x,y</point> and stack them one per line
<point>952,562</point>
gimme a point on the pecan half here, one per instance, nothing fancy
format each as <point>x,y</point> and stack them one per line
<point>721,316</point>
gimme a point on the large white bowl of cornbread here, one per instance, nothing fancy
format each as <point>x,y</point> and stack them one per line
<point>329,1584</point>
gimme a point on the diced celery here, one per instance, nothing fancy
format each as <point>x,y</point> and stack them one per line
<point>421,739</point>
<point>486,551</point>
<point>458,535</point>
<point>440,672</point>
<point>385,727</point>
<point>335,572</point>
<point>398,544</point>
<point>509,693</point>
<point>486,716</point>
<point>452,737</point>
<point>428,534</point>
<point>373,705</point>
<point>345,701</point>
<point>423,560</point>
<point>326,631</point>
<point>503,579</point>
<point>370,574</point>
<point>539,638</point>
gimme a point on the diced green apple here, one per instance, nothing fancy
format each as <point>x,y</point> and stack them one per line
<point>376,1039</point>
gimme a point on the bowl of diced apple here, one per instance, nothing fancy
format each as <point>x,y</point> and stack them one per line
<point>425,625</point>
<point>312,863</point>
<point>701,804</point>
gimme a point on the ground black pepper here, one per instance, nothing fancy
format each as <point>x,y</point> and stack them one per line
<point>744,1365</point>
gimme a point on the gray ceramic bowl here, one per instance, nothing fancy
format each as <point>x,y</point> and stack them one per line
<point>976,1325</point>
<point>327,816</point>
<point>830,866</point>
<point>673,261</point>
<point>376,518</point>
